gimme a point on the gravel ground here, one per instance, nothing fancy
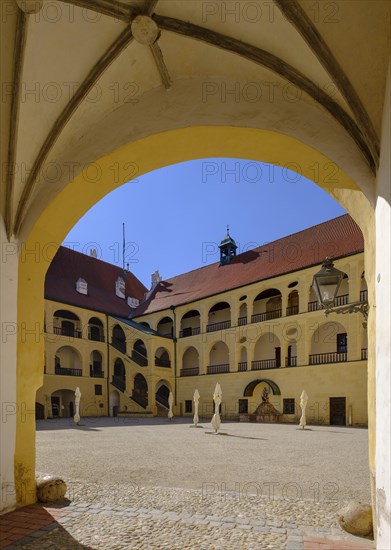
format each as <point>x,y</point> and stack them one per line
<point>154,484</point>
<point>265,460</point>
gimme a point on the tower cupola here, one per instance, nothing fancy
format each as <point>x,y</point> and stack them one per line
<point>227,249</point>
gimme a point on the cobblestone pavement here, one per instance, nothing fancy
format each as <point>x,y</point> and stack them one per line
<point>154,518</point>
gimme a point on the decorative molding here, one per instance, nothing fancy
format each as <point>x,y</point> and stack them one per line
<point>299,19</point>
<point>95,73</point>
<point>20,45</point>
<point>275,64</point>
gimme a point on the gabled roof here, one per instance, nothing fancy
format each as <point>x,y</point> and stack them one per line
<point>335,238</point>
<point>68,266</point>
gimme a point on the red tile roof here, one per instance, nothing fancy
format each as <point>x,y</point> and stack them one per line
<point>335,238</point>
<point>68,266</point>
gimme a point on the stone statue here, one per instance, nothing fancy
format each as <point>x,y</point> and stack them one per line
<point>76,418</point>
<point>196,398</point>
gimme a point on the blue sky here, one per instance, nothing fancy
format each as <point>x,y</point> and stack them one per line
<point>175,217</point>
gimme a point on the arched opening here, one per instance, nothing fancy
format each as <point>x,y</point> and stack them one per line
<point>267,352</point>
<point>140,390</point>
<point>242,366</point>
<point>363,289</point>
<point>162,393</point>
<point>119,377</point>
<point>68,362</point>
<point>293,303</point>
<point>329,344</point>
<point>96,364</point>
<point>63,404</point>
<point>242,319</point>
<point>95,330</point>
<point>342,297</point>
<point>291,355</point>
<point>219,317</point>
<point>165,327</point>
<point>218,358</point>
<point>190,362</point>
<point>66,323</point>
<point>162,358</point>
<point>190,324</point>
<point>114,403</point>
<point>118,339</point>
<point>139,353</point>
<point>75,214</point>
<point>144,324</point>
<point>267,305</point>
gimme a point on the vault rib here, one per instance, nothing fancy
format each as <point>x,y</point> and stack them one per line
<point>277,65</point>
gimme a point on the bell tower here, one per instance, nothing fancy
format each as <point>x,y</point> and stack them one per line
<point>227,249</point>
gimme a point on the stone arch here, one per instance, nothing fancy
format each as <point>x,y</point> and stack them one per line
<point>249,389</point>
<point>190,362</point>
<point>171,146</point>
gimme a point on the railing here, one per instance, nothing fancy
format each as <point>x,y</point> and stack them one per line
<point>120,345</point>
<point>139,358</point>
<point>118,382</point>
<point>324,358</point>
<point>292,310</point>
<point>191,371</point>
<point>139,399</point>
<point>341,300</point>
<point>259,317</point>
<point>291,361</point>
<point>67,332</point>
<point>218,326</point>
<point>189,331</point>
<point>242,321</point>
<point>96,373</point>
<point>314,306</point>
<point>264,364</point>
<point>363,295</point>
<point>242,366</point>
<point>364,353</point>
<point>217,369</point>
<point>163,402</point>
<point>96,337</point>
<point>166,334</point>
<point>166,363</point>
<point>68,372</point>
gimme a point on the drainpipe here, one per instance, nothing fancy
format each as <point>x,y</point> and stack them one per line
<point>108,364</point>
<point>175,353</point>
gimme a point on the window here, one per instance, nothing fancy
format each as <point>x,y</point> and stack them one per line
<point>288,406</point>
<point>342,342</point>
<point>98,389</point>
<point>243,406</point>
<point>188,406</point>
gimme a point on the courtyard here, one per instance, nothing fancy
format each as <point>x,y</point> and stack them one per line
<point>152,483</point>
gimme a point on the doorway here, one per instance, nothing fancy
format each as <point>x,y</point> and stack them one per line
<point>338,411</point>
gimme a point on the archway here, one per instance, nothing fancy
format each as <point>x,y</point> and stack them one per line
<point>170,147</point>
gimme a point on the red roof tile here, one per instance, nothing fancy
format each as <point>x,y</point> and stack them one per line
<point>335,238</point>
<point>68,266</point>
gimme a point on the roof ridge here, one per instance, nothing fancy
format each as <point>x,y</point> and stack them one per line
<point>312,227</point>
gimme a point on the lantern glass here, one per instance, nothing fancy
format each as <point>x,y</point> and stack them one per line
<point>326,283</point>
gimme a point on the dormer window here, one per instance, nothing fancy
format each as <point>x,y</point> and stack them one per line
<point>133,302</point>
<point>120,288</point>
<point>82,286</point>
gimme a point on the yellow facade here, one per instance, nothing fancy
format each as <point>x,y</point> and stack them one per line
<point>284,343</point>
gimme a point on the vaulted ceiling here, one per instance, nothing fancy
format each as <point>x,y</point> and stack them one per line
<point>80,77</point>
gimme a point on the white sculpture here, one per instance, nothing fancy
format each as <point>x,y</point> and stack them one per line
<point>170,402</point>
<point>217,398</point>
<point>76,418</point>
<point>303,404</point>
<point>196,398</point>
